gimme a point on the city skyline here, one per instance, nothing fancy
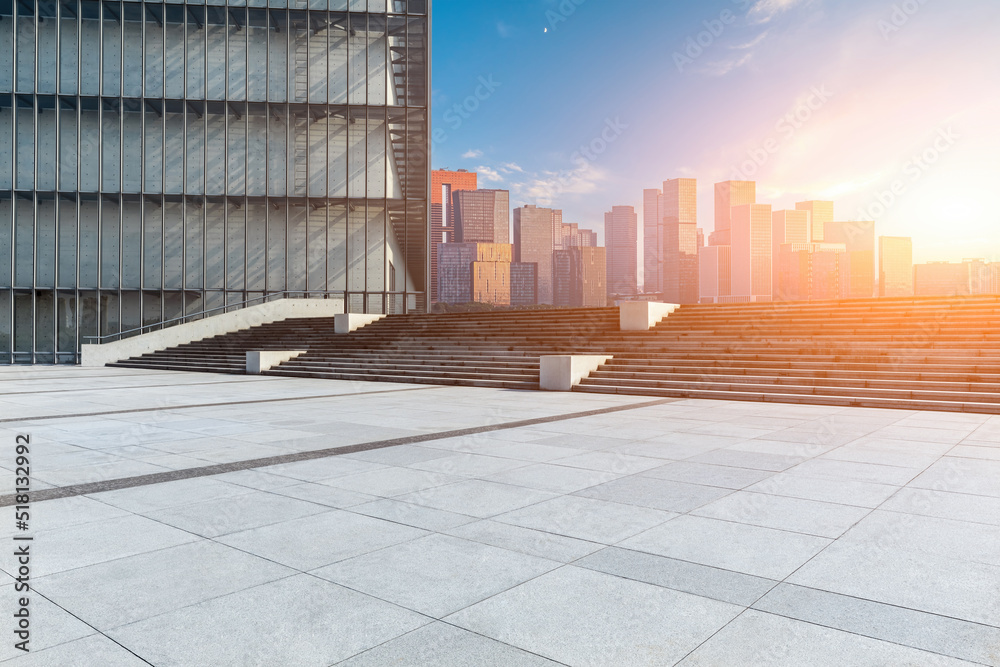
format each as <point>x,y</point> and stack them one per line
<point>873,131</point>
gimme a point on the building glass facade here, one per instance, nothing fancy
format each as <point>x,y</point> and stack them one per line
<point>162,159</point>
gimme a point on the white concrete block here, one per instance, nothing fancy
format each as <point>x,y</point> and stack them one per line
<point>264,360</point>
<point>563,372</point>
<point>344,324</point>
<point>643,316</point>
<point>246,318</point>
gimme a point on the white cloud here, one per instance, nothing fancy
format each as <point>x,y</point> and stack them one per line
<point>723,67</point>
<point>504,30</point>
<point>765,10</point>
<point>546,187</point>
<point>511,168</point>
<point>472,154</point>
<point>752,43</point>
<point>489,174</point>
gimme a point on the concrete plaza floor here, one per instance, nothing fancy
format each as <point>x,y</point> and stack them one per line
<point>695,533</point>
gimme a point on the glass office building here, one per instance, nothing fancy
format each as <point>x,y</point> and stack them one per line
<point>164,159</point>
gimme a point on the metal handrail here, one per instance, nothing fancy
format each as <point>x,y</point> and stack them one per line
<point>140,330</point>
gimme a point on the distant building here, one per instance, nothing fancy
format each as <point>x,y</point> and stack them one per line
<point>679,211</point>
<point>859,237</point>
<point>474,272</point>
<point>895,266</point>
<point>787,227</point>
<point>534,243</point>
<point>729,194</point>
<point>444,184</point>
<point>821,213</point>
<point>574,237</point>
<point>943,279</point>
<point>812,271</point>
<point>580,277</point>
<point>523,284</point>
<point>714,271</point>
<point>481,216</point>
<point>652,224</point>
<point>621,227</point>
<point>985,276</point>
<point>751,252</point>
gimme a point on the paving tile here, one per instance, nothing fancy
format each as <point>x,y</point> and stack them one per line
<point>298,622</point>
<point>743,459</point>
<point>587,519</point>
<point>553,477</point>
<point>477,498</point>
<point>612,462</point>
<point>91,543</point>
<point>928,632</point>
<point>525,540</point>
<point>321,539</point>
<point>92,651</point>
<point>659,494</point>
<point>761,552</point>
<point>791,514</point>
<point>402,455</point>
<point>409,514</point>
<point>976,452</point>
<point>154,497</point>
<point>63,513</point>
<point>436,575</point>
<point>766,640</point>
<point>469,465</point>
<point>323,469</point>
<point>441,645</point>
<point>388,482</point>
<point>955,475</point>
<point>709,582</point>
<point>856,472</point>
<point>230,515</point>
<point>322,494</point>
<point>826,489</point>
<point>585,618</point>
<point>529,451</point>
<point>938,585</point>
<point>708,475</point>
<point>104,595</point>
<point>50,624</point>
<point>944,505</point>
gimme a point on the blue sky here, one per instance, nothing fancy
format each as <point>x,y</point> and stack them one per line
<point>815,99</point>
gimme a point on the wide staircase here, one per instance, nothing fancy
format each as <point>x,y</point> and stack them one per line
<point>924,353</point>
<point>499,350</point>
<point>920,353</point>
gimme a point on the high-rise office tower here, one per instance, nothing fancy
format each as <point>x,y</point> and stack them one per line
<point>158,160</point>
<point>859,237</point>
<point>534,244</point>
<point>621,228</point>
<point>444,184</point>
<point>574,237</point>
<point>652,237</point>
<point>812,271</point>
<point>474,273</point>
<point>580,277</point>
<point>679,211</point>
<point>787,227</point>
<point>481,216</point>
<point>751,252</point>
<point>714,273</point>
<point>821,212</point>
<point>523,284</point>
<point>727,195</point>
<point>895,266</point>
<point>943,279</point>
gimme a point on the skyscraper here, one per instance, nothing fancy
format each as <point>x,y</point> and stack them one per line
<point>523,284</point>
<point>727,195</point>
<point>787,227</point>
<point>481,216</point>
<point>812,271</point>
<point>444,184</point>
<point>533,244</point>
<point>895,266</point>
<point>943,279</point>
<point>621,227</point>
<point>652,251</point>
<point>715,273</point>
<point>474,273</point>
<point>821,213</point>
<point>751,252</point>
<point>859,237</point>
<point>580,277</point>
<point>160,159</point>
<point>679,211</point>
